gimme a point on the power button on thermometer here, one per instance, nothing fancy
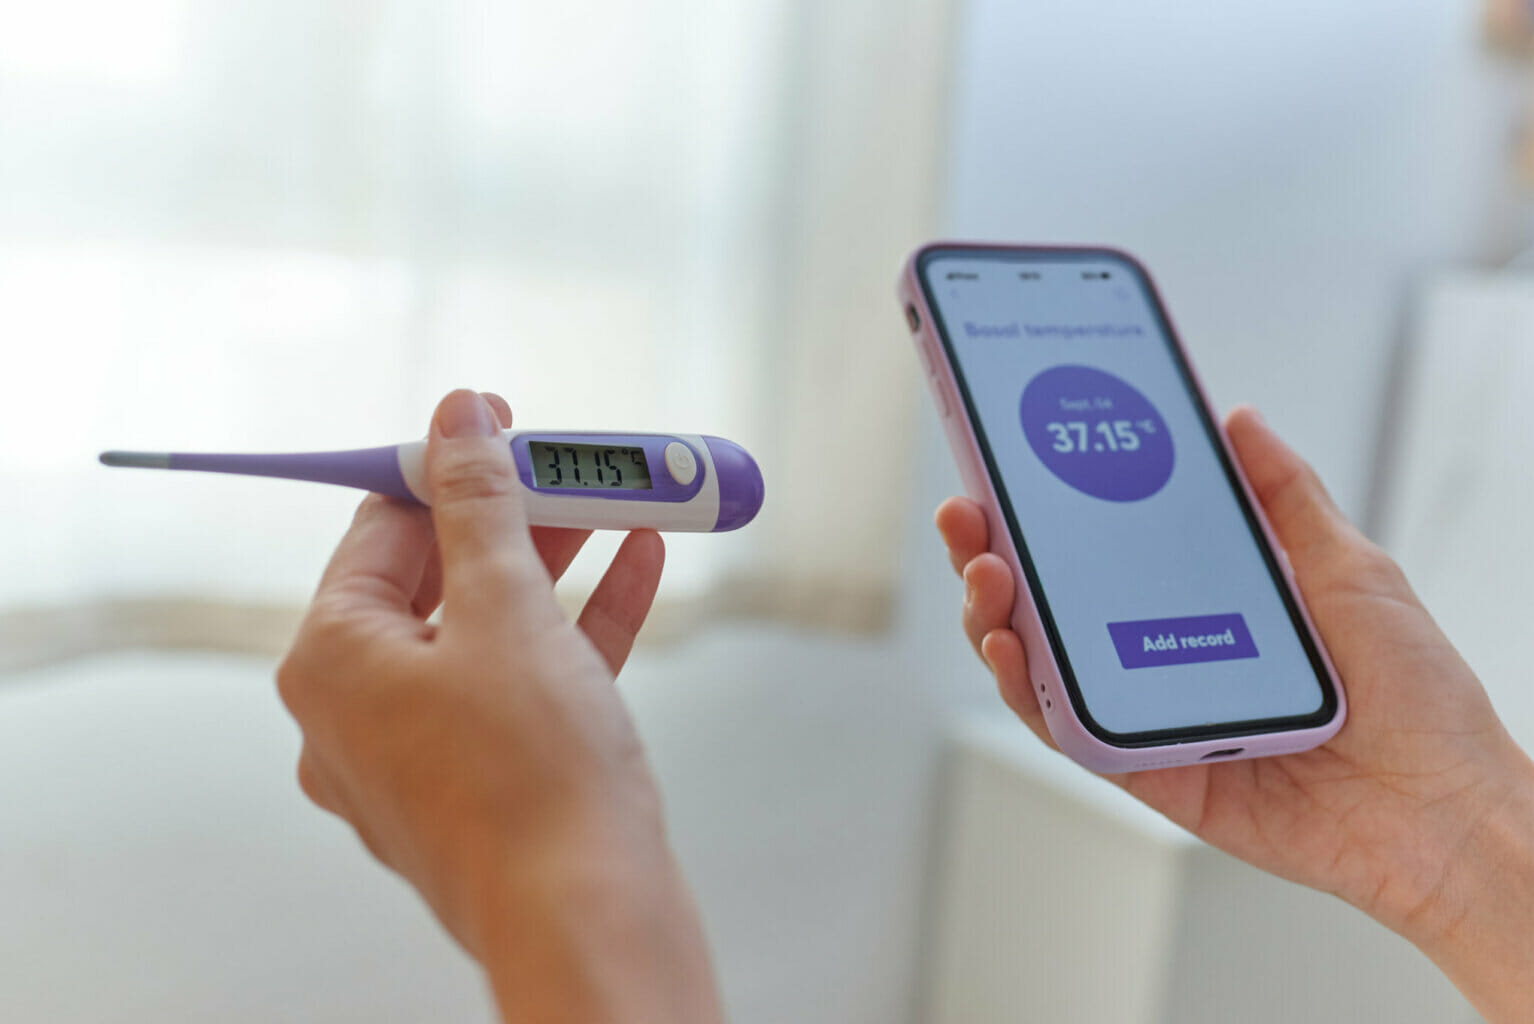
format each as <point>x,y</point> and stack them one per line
<point>680,463</point>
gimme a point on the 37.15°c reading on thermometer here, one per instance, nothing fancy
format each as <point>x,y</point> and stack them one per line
<point>590,465</point>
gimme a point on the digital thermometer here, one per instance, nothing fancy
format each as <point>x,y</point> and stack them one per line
<point>602,481</point>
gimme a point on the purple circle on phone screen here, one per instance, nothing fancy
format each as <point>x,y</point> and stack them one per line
<point>1097,433</point>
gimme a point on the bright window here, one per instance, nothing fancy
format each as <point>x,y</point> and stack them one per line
<point>295,224</point>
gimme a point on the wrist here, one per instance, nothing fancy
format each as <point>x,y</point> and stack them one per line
<point>594,922</point>
<point>493,836</point>
<point>1478,926</point>
<point>528,857</point>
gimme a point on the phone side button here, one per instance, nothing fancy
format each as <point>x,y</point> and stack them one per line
<point>926,360</point>
<point>942,399</point>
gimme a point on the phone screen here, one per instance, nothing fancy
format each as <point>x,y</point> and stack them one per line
<point>1163,604</point>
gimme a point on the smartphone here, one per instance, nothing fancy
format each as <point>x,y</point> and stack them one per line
<point>1159,615</point>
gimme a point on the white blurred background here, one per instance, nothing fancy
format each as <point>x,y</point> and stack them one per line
<point>288,225</point>
<point>241,225</point>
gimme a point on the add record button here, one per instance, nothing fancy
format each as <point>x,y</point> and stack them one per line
<point>1154,642</point>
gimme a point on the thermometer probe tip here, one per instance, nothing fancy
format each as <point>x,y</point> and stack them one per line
<point>138,460</point>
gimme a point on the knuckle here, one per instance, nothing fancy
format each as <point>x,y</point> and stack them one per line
<point>292,682</point>
<point>326,638</point>
<point>309,781</point>
<point>479,472</point>
<point>1298,485</point>
<point>329,627</point>
<point>1366,565</point>
<point>495,578</point>
<point>368,507</point>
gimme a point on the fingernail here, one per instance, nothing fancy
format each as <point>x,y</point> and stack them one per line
<point>464,414</point>
<point>495,409</point>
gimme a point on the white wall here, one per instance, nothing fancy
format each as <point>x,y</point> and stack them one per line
<point>1285,168</point>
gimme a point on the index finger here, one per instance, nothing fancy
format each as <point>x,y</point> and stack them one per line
<point>379,561</point>
<point>961,522</point>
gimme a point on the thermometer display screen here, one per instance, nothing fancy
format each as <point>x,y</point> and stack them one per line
<point>589,466</point>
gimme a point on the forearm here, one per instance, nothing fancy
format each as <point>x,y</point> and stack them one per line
<point>1481,930</point>
<point>599,927</point>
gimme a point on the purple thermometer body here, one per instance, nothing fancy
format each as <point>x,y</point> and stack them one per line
<point>605,481</point>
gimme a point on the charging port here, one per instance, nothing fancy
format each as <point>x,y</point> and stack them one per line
<point>1215,755</point>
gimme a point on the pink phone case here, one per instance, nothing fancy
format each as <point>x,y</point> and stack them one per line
<point>1067,728</point>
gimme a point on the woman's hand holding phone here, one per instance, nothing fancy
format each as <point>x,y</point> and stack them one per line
<point>1420,812</point>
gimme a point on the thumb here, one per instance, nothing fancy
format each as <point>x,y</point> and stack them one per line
<point>489,565</point>
<point>1312,530</point>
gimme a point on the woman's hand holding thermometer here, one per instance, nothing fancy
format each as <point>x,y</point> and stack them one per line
<point>486,755</point>
<point>602,481</point>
